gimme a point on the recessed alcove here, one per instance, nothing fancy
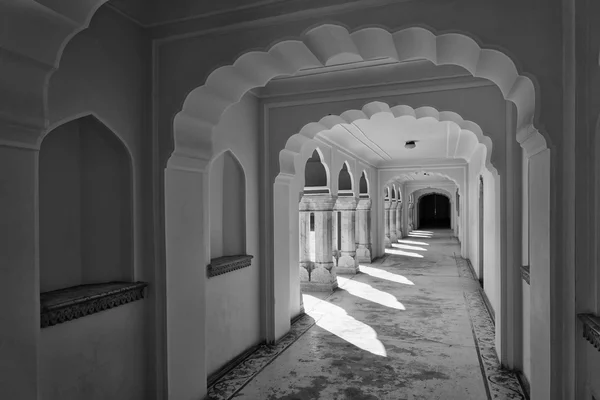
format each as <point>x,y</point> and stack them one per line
<point>344,182</point>
<point>85,219</point>
<point>227,216</point>
<point>363,187</point>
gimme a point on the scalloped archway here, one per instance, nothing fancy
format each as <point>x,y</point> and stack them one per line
<point>329,45</point>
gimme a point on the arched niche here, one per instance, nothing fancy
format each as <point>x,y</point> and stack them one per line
<point>227,207</point>
<point>316,178</point>
<point>345,184</point>
<point>85,206</point>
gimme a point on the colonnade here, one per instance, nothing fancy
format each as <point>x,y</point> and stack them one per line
<point>393,221</point>
<point>335,236</point>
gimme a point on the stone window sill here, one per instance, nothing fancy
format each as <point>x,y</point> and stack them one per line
<point>525,273</point>
<point>223,265</point>
<point>74,302</point>
<point>591,328</point>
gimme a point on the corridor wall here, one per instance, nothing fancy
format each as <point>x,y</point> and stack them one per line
<point>109,354</point>
<point>233,299</point>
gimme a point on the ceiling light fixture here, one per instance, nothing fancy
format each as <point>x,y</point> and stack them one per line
<point>411,144</point>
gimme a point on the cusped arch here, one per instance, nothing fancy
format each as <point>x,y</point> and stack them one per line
<point>440,174</point>
<point>330,44</point>
<point>296,142</point>
<point>363,184</point>
<point>346,177</point>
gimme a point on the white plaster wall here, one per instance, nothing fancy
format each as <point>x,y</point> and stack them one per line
<point>491,242</point>
<point>100,356</point>
<point>215,194</point>
<point>105,71</point>
<point>474,171</point>
<point>526,360</point>
<point>232,300</point>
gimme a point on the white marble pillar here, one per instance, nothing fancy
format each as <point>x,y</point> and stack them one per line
<point>305,240</point>
<point>393,234</point>
<point>321,275</point>
<point>363,227</point>
<point>386,223</point>
<point>347,262</point>
<point>399,220</point>
<point>334,237</point>
<point>411,207</point>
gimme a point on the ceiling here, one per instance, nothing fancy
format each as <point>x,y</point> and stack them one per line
<point>381,140</point>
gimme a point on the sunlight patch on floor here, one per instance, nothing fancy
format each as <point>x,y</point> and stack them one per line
<point>379,273</point>
<point>335,320</point>
<point>412,242</point>
<point>399,252</point>
<point>368,292</point>
<point>407,247</point>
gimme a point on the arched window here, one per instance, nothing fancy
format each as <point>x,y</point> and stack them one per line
<point>345,182</point>
<point>315,175</point>
<point>363,186</point>
<point>227,207</point>
<point>85,207</point>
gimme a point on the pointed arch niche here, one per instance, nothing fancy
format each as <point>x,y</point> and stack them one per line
<point>85,220</point>
<point>227,215</point>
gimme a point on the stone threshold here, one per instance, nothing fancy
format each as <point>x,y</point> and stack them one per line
<point>591,329</point>
<point>74,302</point>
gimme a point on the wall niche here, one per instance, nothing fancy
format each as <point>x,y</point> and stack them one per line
<point>86,222</point>
<point>227,216</point>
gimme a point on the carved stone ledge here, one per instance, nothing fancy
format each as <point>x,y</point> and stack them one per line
<point>525,273</point>
<point>223,265</point>
<point>67,304</point>
<point>591,329</point>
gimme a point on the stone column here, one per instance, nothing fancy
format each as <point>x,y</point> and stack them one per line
<point>334,237</point>
<point>321,275</point>
<point>304,224</point>
<point>347,262</point>
<point>386,223</point>
<point>363,211</point>
<point>399,220</point>
<point>393,234</point>
<point>411,207</point>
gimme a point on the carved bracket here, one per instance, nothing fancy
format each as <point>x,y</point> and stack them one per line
<point>591,329</point>
<point>64,305</point>
<point>223,265</point>
<point>525,273</point>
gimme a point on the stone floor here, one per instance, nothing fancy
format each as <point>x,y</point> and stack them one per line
<point>410,326</point>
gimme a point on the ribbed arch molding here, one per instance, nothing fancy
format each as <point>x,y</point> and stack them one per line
<point>333,44</point>
<point>297,141</point>
<point>399,179</point>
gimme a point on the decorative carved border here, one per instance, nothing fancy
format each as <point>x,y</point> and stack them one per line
<point>64,305</point>
<point>591,329</point>
<point>525,273</point>
<point>223,265</point>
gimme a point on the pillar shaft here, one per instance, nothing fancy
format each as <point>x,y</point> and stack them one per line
<point>399,221</point>
<point>347,262</point>
<point>386,223</point>
<point>393,234</point>
<point>363,225</point>
<point>319,275</point>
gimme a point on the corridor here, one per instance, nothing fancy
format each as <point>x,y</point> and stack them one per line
<point>400,329</point>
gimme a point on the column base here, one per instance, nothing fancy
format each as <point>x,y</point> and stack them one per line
<point>321,278</point>
<point>399,235</point>
<point>393,238</point>
<point>347,265</point>
<point>387,242</point>
<point>363,255</point>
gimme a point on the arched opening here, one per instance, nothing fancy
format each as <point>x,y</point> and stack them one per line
<point>227,207</point>
<point>316,229</point>
<point>345,187</point>
<point>434,211</point>
<point>363,185</point>
<point>85,206</point>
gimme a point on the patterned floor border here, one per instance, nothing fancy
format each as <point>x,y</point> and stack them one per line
<point>227,386</point>
<point>499,382</point>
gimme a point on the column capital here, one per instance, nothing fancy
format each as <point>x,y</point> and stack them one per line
<point>346,203</point>
<point>364,204</point>
<point>324,202</point>
<point>387,205</point>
